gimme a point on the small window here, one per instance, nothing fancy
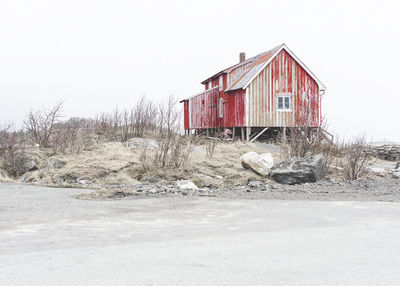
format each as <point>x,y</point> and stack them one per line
<point>220,107</point>
<point>209,84</point>
<point>284,101</point>
<point>220,82</point>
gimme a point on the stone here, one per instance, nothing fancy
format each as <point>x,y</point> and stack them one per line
<point>57,179</point>
<point>396,175</point>
<point>254,184</point>
<point>141,143</point>
<point>298,170</point>
<point>186,185</point>
<point>29,163</point>
<point>380,172</point>
<point>55,163</point>
<point>260,164</point>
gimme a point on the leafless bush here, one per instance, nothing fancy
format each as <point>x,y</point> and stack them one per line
<point>210,146</point>
<point>144,116</point>
<point>12,151</point>
<point>72,137</point>
<point>173,150</point>
<point>357,159</point>
<point>40,124</point>
<point>125,124</point>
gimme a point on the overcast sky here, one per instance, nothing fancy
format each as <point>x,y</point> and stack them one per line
<point>98,54</point>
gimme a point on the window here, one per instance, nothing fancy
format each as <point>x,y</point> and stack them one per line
<point>284,101</point>
<point>220,82</point>
<point>209,84</point>
<point>220,107</point>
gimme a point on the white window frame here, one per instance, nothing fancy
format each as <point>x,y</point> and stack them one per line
<point>220,82</point>
<point>284,96</point>
<point>210,84</point>
<point>220,107</point>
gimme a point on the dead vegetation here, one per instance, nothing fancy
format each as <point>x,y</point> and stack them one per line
<point>144,143</point>
<point>349,160</point>
<point>12,151</point>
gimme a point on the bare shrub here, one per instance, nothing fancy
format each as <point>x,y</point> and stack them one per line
<point>73,136</point>
<point>144,116</point>
<point>12,151</point>
<point>210,146</point>
<point>357,158</point>
<point>173,150</point>
<point>40,124</point>
<point>127,123</point>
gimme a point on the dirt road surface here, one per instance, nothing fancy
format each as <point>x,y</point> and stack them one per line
<point>47,237</point>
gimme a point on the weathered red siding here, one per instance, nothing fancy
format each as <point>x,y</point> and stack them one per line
<point>282,75</point>
<point>186,114</point>
<point>234,109</point>
<point>203,110</point>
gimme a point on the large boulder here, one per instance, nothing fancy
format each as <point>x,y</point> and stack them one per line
<point>28,162</point>
<point>259,164</point>
<point>298,170</point>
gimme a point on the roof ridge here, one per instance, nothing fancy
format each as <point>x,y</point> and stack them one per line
<point>260,59</point>
<point>249,60</point>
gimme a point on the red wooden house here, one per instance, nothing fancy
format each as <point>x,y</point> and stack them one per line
<point>269,91</point>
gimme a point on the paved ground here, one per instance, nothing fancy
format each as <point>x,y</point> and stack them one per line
<point>49,238</point>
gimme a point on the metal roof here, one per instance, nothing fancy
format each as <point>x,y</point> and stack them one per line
<point>256,64</point>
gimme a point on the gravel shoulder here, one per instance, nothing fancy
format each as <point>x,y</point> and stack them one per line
<point>369,189</point>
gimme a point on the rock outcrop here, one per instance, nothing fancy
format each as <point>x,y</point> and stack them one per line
<point>298,170</point>
<point>387,152</point>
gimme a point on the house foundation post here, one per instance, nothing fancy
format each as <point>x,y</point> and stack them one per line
<point>242,133</point>
<point>248,131</point>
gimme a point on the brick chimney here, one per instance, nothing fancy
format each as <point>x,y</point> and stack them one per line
<point>242,57</point>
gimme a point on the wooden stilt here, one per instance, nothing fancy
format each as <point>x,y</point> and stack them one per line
<point>248,131</point>
<point>242,133</point>
<point>233,133</point>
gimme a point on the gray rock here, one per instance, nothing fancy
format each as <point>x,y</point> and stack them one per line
<point>260,164</point>
<point>55,163</point>
<point>82,182</point>
<point>65,178</point>
<point>29,163</point>
<point>298,170</point>
<point>254,184</point>
<point>186,185</point>
<point>57,179</point>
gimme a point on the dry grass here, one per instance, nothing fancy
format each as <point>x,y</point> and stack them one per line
<point>115,164</point>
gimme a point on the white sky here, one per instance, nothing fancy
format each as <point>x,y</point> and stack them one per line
<point>98,54</point>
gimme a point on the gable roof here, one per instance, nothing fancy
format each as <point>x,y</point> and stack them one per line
<point>256,64</point>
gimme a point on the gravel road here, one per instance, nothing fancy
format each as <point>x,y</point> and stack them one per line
<point>48,237</point>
